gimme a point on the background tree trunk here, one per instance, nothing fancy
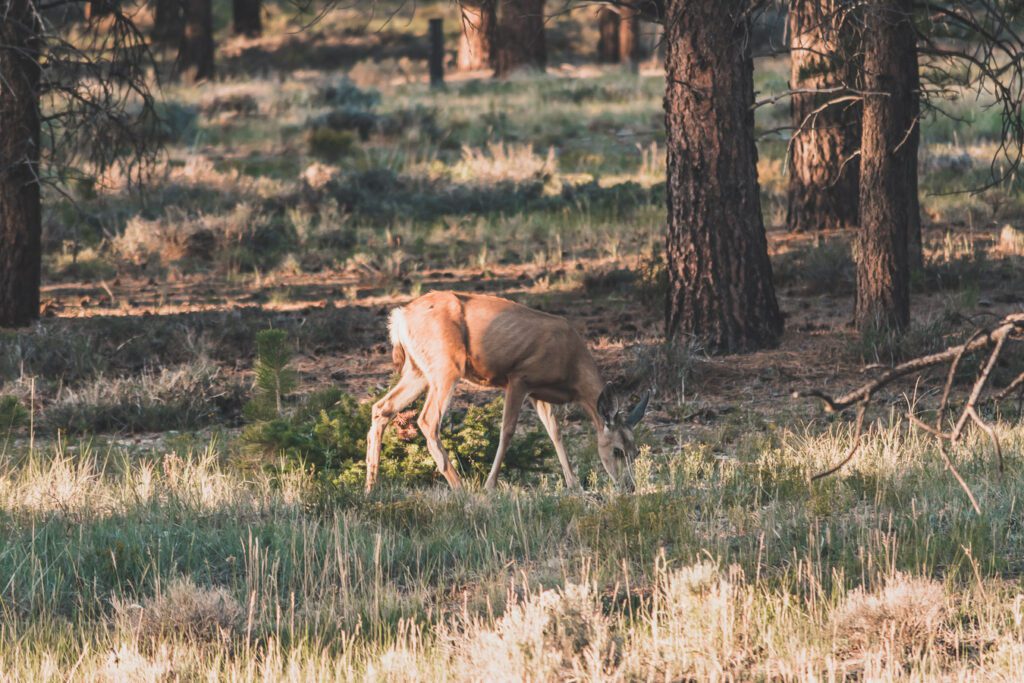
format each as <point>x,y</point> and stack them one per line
<point>720,278</point>
<point>518,39</point>
<point>890,61</point>
<point>477,20</point>
<point>630,52</point>
<point>20,209</point>
<point>823,180</point>
<point>247,19</point>
<point>195,53</point>
<point>608,40</point>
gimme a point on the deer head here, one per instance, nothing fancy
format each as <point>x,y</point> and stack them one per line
<point>615,442</point>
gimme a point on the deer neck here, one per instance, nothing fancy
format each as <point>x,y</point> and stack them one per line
<point>591,384</point>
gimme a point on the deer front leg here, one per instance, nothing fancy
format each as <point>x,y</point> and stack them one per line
<point>434,408</point>
<point>546,412</point>
<point>514,395</point>
<point>410,385</point>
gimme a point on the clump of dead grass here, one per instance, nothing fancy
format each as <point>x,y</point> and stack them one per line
<point>183,610</point>
<point>503,162</point>
<point>176,397</point>
<point>553,635</point>
<point>900,620</point>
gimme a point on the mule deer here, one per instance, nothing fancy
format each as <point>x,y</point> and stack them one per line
<point>443,337</point>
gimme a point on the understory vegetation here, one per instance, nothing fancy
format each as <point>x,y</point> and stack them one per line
<point>725,563</point>
<point>183,432</point>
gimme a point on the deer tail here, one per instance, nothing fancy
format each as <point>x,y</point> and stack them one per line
<point>399,335</point>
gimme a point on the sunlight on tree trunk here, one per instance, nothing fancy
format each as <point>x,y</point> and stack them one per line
<point>477,23</point>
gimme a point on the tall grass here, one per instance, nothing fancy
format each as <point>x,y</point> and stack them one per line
<point>726,566</point>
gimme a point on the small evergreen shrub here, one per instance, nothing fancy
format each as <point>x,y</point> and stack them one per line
<point>326,432</point>
<point>13,415</point>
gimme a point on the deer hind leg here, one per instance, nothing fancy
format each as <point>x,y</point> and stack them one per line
<point>546,411</point>
<point>514,396</point>
<point>410,385</point>
<point>439,396</point>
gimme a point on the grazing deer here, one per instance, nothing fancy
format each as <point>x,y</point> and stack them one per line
<point>443,337</point>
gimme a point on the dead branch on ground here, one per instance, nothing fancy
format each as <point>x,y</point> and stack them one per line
<point>1009,330</point>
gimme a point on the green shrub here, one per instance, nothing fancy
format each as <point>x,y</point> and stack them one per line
<point>274,380</point>
<point>329,144</point>
<point>327,431</point>
<point>12,414</point>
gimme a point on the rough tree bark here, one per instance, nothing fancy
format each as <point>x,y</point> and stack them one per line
<point>246,18</point>
<point>20,209</point>
<point>890,62</point>
<point>608,36</point>
<point>629,37</point>
<point>195,52</point>
<point>720,278</point>
<point>824,172</point>
<point>475,40</point>
<point>915,244</point>
<point>518,39</point>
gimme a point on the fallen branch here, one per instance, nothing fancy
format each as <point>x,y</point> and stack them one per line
<point>1008,330</point>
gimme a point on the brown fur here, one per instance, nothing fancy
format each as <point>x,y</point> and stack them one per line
<point>443,337</point>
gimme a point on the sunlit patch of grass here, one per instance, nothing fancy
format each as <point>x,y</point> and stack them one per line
<point>728,560</point>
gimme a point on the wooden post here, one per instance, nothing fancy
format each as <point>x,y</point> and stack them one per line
<point>436,53</point>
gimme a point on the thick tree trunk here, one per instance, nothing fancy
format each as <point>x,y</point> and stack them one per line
<point>890,59</point>
<point>20,209</point>
<point>824,172</point>
<point>915,244</point>
<point>720,278</point>
<point>246,18</point>
<point>518,39</point>
<point>475,42</point>
<point>608,36</point>
<point>629,37</point>
<point>195,53</point>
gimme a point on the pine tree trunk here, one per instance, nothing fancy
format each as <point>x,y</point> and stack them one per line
<point>608,36</point>
<point>518,39</point>
<point>915,244</point>
<point>246,18</point>
<point>195,53</point>
<point>475,41</point>
<point>824,172</point>
<point>720,279</point>
<point>20,208</point>
<point>890,59</point>
<point>629,37</point>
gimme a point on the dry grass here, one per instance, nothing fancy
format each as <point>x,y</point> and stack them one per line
<point>907,617</point>
<point>503,162</point>
<point>180,610</point>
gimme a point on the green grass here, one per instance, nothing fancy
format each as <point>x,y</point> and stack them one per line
<point>340,583</point>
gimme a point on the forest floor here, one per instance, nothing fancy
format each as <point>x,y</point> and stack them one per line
<point>146,534</point>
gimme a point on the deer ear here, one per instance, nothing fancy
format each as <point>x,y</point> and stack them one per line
<point>608,405</point>
<point>639,410</point>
